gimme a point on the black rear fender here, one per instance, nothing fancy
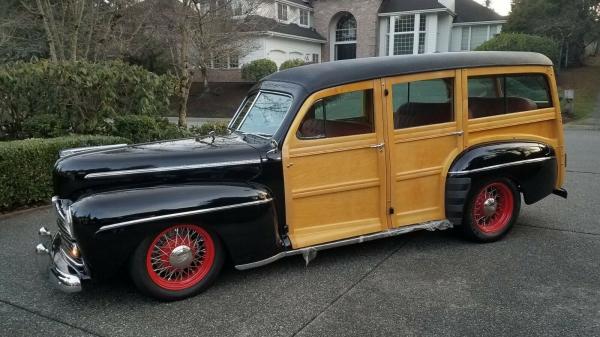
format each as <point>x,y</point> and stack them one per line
<point>531,165</point>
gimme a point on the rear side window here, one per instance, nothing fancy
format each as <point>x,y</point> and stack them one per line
<point>340,115</point>
<point>423,103</point>
<point>505,94</point>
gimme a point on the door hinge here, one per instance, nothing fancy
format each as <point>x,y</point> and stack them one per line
<point>392,211</point>
<point>386,92</point>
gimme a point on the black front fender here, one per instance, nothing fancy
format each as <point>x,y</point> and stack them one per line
<point>109,226</point>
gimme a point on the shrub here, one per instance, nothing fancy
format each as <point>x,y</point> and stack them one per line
<point>291,64</point>
<point>80,92</point>
<point>256,70</point>
<point>26,167</point>
<point>141,129</point>
<point>220,129</point>
<point>45,126</point>
<point>523,42</point>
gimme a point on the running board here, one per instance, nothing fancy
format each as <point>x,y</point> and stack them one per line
<point>309,253</point>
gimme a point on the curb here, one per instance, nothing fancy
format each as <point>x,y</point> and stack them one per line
<point>581,127</point>
<point>21,212</point>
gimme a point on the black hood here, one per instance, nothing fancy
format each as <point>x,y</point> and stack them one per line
<point>228,158</point>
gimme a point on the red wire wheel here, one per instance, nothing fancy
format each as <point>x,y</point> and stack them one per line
<point>180,257</point>
<point>493,208</point>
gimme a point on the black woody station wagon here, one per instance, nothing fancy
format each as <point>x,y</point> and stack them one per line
<point>317,157</point>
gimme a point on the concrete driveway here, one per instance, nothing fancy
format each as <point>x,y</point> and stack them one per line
<point>542,280</point>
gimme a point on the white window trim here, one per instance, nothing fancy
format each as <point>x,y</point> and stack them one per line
<point>287,12</point>
<point>300,10</point>
<point>416,33</point>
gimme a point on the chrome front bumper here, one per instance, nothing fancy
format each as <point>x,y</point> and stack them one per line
<point>62,273</point>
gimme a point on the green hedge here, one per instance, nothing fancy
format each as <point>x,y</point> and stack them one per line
<point>142,129</point>
<point>292,64</point>
<point>26,167</point>
<point>81,93</point>
<point>256,70</point>
<point>523,42</point>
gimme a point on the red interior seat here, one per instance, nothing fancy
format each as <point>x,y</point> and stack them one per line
<point>485,106</point>
<point>419,114</point>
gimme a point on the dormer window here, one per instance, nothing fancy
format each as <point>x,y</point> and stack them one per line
<point>282,12</point>
<point>304,18</point>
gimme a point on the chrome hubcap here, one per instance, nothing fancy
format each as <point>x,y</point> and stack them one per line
<point>490,206</point>
<point>181,257</point>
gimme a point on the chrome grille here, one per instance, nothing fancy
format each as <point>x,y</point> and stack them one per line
<point>61,206</point>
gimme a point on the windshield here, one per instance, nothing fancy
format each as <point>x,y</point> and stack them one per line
<point>262,113</point>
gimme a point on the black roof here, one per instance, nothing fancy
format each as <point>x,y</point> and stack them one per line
<point>391,6</point>
<point>257,23</point>
<point>315,77</point>
<point>471,11</point>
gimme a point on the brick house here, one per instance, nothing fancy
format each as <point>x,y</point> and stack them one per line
<point>329,30</point>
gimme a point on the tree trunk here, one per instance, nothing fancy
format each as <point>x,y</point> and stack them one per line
<point>76,27</point>
<point>49,34</point>
<point>185,83</point>
<point>204,72</point>
<point>55,31</point>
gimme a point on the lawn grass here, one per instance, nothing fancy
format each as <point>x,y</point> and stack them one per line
<point>586,83</point>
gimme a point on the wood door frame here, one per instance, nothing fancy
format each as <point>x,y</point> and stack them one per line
<point>454,128</point>
<point>294,147</point>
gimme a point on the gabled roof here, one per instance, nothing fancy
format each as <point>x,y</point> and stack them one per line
<point>471,11</point>
<point>256,23</point>
<point>392,6</point>
<point>315,77</point>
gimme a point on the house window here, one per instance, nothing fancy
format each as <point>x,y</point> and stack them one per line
<point>422,33</point>
<point>224,62</point>
<point>234,62</point>
<point>304,17</point>
<point>315,58</point>
<point>474,36</point>
<point>345,38</point>
<point>346,29</point>
<point>282,12</point>
<point>408,34</point>
<point>466,38</point>
<point>238,8</point>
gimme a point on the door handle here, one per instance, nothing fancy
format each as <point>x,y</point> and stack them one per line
<point>378,146</point>
<point>457,133</point>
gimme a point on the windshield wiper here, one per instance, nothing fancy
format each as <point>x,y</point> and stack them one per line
<point>255,134</point>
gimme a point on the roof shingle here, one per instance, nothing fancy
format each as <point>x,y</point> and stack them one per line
<point>392,6</point>
<point>257,23</point>
<point>471,11</point>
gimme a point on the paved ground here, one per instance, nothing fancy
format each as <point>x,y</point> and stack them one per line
<point>542,280</point>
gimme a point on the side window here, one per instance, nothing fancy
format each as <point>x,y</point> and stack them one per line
<point>505,94</point>
<point>340,115</point>
<point>423,103</point>
<point>532,86</point>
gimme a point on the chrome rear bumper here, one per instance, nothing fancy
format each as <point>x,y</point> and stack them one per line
<point>62,272</point>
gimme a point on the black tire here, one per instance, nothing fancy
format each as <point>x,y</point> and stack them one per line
<point>501,222</point>
<point>149,282</point>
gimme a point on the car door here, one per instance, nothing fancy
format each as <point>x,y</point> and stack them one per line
<point>424,136</point>
<point>335,167</point>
